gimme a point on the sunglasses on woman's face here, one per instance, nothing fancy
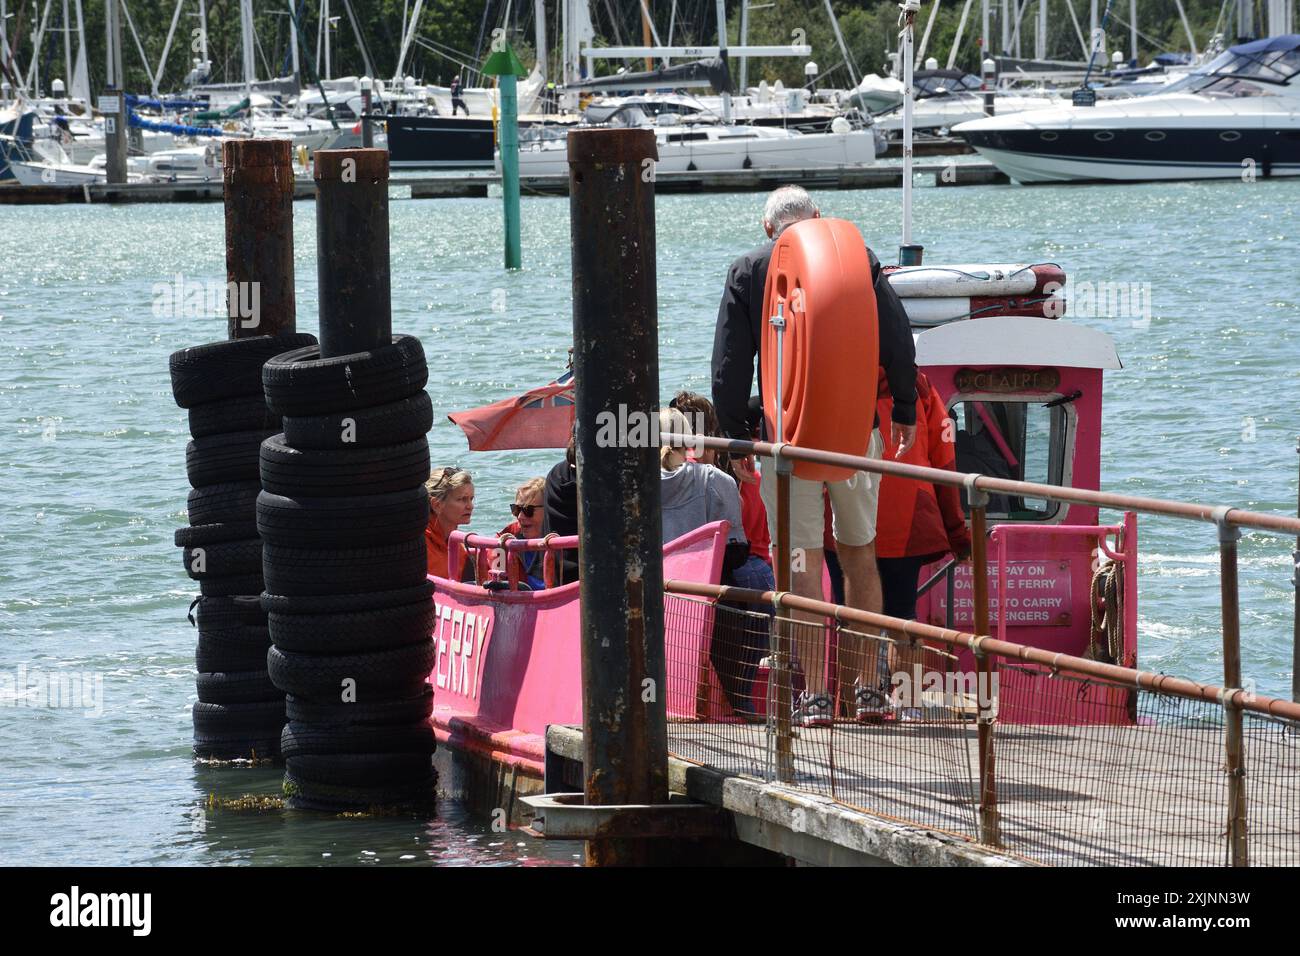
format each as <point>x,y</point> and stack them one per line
<point>526,510</point>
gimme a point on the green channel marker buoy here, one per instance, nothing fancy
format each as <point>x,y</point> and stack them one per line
<point>505,65</point>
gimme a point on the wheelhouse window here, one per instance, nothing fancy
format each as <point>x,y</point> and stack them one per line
<point>1024,440</point>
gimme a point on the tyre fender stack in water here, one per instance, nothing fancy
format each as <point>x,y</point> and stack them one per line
<point>239,713</point>
<point>341,514</point>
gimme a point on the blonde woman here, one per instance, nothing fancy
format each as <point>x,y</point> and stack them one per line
<point>451,504</point>
<point>529,517</point>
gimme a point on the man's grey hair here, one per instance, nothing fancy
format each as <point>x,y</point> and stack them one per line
<point>786,206</point>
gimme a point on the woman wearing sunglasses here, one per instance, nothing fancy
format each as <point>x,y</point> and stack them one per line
<point>529,514</point>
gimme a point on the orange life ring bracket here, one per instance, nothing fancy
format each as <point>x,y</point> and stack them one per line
<point>821,273</point>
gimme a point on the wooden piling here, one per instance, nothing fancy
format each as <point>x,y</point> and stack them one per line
<point>258,178</point>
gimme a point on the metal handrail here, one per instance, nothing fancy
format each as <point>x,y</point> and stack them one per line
<point>483,545</point>
<point>1217,514</point>
<point>948,567</point>
<point>550,543</point>
<point>1228,519</point>
<point>983,644</point>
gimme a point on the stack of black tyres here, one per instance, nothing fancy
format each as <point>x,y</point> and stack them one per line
<point>342,515</point>
<point>239,713</point>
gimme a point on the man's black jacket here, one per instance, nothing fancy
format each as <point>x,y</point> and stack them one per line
<point>739,335</point>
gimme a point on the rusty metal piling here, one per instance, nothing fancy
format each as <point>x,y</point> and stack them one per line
<point>616,369</point>
<point>352,265</point>
<point>1295,619</point>
<point>1234,744</point>
<point>988,795</point>
<point>783,660</point>
<point>257,175</point>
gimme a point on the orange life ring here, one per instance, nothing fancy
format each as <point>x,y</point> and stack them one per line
<point>821,273</point>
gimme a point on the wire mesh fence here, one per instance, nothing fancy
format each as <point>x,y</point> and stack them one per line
<point>1272,748</point>
<point>1088,772</point>
<point>1080,771</point>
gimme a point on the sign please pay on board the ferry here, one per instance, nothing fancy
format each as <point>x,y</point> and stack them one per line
<point>1038,595</point>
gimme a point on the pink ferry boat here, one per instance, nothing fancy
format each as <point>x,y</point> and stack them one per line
<point>1025,395</point>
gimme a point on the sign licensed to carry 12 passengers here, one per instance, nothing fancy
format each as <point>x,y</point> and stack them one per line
<point>1038,593</point>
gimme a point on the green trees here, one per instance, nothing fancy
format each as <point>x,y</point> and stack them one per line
<point>456,33</point>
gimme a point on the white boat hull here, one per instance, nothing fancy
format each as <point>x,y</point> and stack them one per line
<point>810,151</point>
<point>49,174</point>
<point>1037,168</point>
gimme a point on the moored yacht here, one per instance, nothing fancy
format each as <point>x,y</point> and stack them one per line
<point>1238,116</point>
<point>715,147</point>
<point>945,98</point>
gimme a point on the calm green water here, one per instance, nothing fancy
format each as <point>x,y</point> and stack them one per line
<point>92,481</point>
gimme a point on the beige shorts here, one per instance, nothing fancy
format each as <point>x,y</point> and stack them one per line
<point>853,505</point>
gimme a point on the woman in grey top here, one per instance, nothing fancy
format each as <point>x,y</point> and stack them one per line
<point>695,494</point>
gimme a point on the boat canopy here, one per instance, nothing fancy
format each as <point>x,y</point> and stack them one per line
<point>943,82</point>
<point>712,72</point>
<point>1273,60</point>
<point>1016,341</point>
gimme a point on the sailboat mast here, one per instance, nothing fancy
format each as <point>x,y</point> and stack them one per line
<point>325,14</point>
<point>1040,38</point>
<point>79,86</point>
<point>1182,14</point>
<point>744,38</point>
<point>203,29</point>
<point>293,43</point>
<point>246,35</point>
<point>645,33</point>
<point>722,52</point>
<point>961,29</point>
<point>844,49</point>
<point>539,34</point>
<point>925,37</point>
<point>34,73</point>
<point>407,36</point>
<point>67,49</point>
<point>167,45</point>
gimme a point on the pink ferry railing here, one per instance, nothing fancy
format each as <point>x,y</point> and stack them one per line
<point>483,547</point>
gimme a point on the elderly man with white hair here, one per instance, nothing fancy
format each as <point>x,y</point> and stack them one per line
<point>736,345</point>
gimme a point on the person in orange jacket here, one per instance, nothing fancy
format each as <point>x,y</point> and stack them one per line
<point>451,504</point>
<point>918,522</point>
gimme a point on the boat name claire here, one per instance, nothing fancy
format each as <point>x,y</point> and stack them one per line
<point>457,645</point>
<point>1007,379</point>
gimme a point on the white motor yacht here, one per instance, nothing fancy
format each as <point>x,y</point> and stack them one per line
<point>945,98</point>
<point>1236,117</point>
